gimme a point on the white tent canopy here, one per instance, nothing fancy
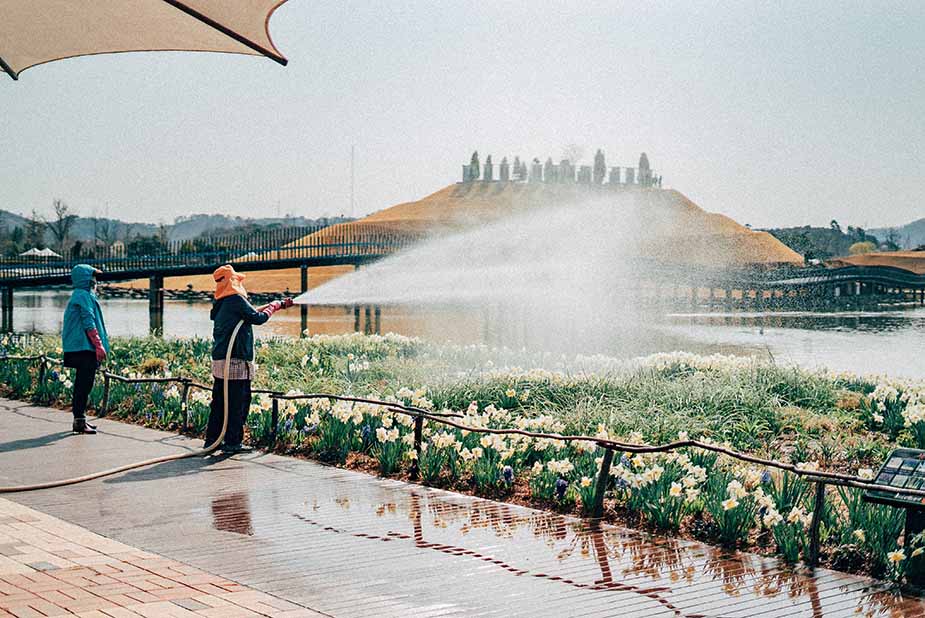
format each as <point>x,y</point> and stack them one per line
<point>35,252</point>
<point>33,32</point>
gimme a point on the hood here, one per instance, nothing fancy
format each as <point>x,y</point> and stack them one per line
<point>228,282</point>
<point>82,276</point>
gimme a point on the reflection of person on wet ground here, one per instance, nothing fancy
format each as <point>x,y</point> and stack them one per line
<point>232,513</point>
<point>230,307</point>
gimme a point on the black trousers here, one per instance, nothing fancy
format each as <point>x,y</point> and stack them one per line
<point>85,365</point>
<point>239,404</point>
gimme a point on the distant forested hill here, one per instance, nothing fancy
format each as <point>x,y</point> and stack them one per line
<point>18,233</point>
<point>909,236</point>
<point>822,242</point>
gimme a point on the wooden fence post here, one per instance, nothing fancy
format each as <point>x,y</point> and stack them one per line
<point>104,403</point>
<point>274,422</point>
<point>415,471</point>
<point>818,505</point>
<point>603,479</point>
<point>40,382</point>
<point>184,403</point>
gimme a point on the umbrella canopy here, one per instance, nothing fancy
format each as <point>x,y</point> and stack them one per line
<point>48,253</point>
<point>33,32</point>
<point>33,252</point>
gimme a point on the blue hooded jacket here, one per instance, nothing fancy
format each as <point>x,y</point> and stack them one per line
<point>83,312</point>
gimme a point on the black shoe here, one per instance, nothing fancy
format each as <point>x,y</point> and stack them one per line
<point>237,448</point>
<point>81,426</point>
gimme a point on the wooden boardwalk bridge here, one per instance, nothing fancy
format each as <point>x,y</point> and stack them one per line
<point>759,288</point>
<point>361,243</point>
<point>290,247</point>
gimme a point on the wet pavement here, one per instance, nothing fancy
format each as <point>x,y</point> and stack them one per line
<point>348,544</point>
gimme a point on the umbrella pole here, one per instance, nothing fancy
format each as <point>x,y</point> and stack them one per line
<point>8,69</point>
<point>227,31</point>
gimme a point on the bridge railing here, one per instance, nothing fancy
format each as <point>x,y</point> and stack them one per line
<point>282,244</point>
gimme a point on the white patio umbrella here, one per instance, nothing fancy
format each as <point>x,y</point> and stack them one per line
<point>33,252</point>
<point>34,32</point>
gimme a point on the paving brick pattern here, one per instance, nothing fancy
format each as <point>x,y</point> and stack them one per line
<point>52,568</point>
<point>352,545</point>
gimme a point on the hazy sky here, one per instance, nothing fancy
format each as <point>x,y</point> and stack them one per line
<point>773,113</point>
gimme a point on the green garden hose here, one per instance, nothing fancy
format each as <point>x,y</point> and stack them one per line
<point>147,462</point>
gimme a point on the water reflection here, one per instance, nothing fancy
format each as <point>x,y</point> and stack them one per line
<point>232,513</point>
<point>679,578</point>
<point>859,342</point>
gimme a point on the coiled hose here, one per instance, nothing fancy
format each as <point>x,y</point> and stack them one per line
<point>147,462</point>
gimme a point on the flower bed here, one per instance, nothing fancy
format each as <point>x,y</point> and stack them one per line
<point>838,422</point>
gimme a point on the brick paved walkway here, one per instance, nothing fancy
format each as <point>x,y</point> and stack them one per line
<point>49,567</point>
<point>349,545</point>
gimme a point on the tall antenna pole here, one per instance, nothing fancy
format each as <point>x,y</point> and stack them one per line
<point>352,178</point>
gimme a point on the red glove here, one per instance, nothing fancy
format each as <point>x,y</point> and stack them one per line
<point>287,302</point>
<point>271,308</point>
<point>94,336</point>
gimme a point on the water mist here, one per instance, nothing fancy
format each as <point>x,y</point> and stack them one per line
<point>560,278</point>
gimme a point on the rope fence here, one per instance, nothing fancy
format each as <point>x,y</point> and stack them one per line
<point>821,478</point>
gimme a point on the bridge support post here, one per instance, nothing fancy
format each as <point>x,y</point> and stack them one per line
<point>356,318</point>
<point>303,309</point>
<point>156,305</point>
<point>378,318</point>
<point>368,320</point>
<point>6,313</point>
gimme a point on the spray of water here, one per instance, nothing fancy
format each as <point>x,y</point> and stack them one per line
<point>562,277</point>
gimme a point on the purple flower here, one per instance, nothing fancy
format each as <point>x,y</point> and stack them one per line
<point>561,486</point>
<point>366,433</point>
<point>624,460</point>
<point>507,473</point>
<point>765,477</point>
<point>54,375</point>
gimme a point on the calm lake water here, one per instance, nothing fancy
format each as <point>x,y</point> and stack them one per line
<point>862,342</point>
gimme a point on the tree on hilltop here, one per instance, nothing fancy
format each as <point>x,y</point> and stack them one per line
<point>860,248</point>
<point>61,225</point>
<point>35,231</point>
<point>600,167</point>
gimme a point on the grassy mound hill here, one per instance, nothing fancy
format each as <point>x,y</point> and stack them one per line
<point>677,229</point>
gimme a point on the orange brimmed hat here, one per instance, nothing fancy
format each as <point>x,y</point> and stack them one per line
<point>228,282</point>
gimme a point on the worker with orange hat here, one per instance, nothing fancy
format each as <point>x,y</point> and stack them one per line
<point>230,307</point>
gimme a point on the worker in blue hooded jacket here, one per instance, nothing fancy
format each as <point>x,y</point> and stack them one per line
<point>84,341</point>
